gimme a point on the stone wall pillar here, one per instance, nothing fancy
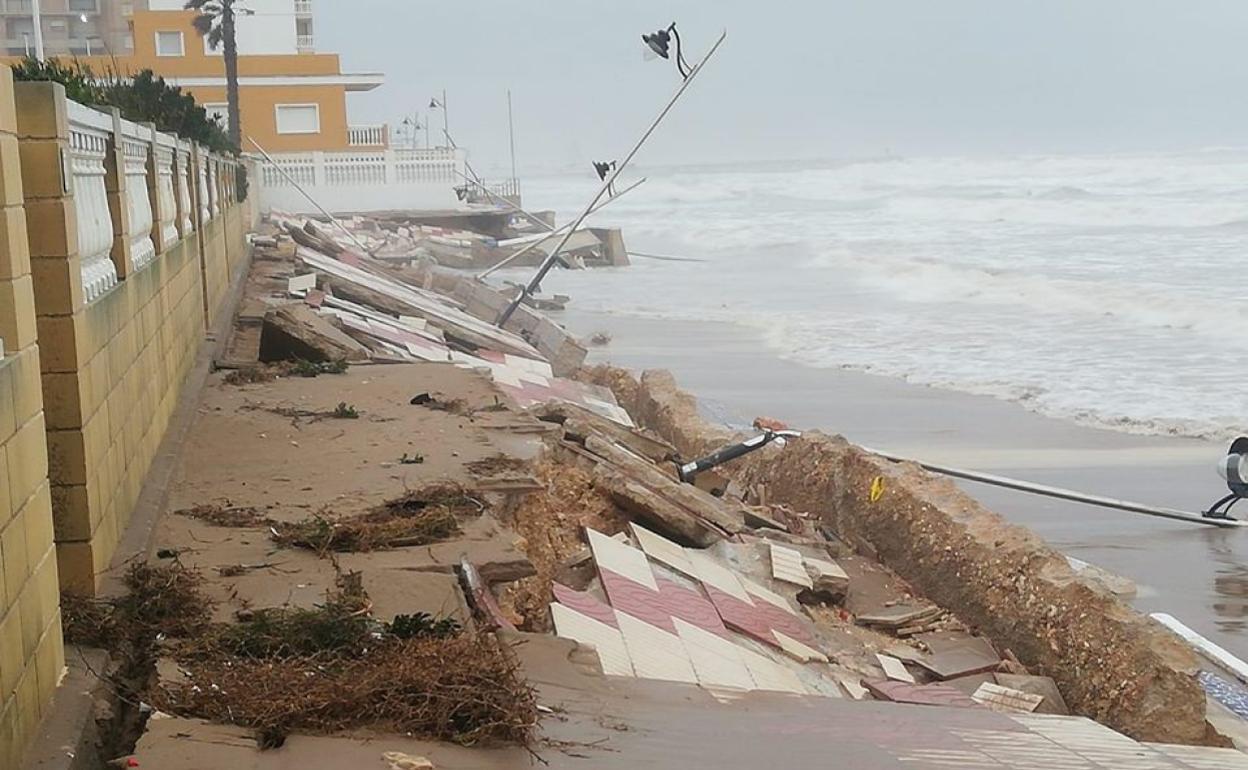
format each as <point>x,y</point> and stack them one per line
<point>32,656</point>
<point>115,182</point>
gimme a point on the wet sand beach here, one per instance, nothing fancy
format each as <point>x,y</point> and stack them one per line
<point>1198,574</point>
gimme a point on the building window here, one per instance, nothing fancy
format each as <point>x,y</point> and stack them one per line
<point>298,119</point>
<point>169,44</point>
<point>218,111</point>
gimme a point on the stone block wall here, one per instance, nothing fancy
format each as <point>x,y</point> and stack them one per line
<point>31,653</point>
<point>113,367</point>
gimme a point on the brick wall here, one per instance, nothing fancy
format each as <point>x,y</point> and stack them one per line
<point>113,369</point>
<point>31,653</point>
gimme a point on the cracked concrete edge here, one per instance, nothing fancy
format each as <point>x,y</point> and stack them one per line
<point>67,738</point>
<point>1114,664</point>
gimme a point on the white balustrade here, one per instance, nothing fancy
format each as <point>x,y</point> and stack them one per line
<point>89,132</point>
<point>366,136</point>
<point>345,169</point>
<point>205,206</point>
<point>303,7</point>
<point>214,187</point>
<point>185,204</point>
<point>135,148</point>
<point>362,180</point>
<point>165,147</point>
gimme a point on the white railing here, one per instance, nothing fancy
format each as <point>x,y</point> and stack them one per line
<point>305,42</point>
<point>363,180</point>
<point>185,204</point>
<point>214,188</point>
<point>164,147</point>
<point>509,188</point>
<point>205,203</point>
<point>303,7</point>
<point>89,132</point>
<point>343,169</point>
<point>366,136</point>
<point>427,166</point>
<point>135,147</point>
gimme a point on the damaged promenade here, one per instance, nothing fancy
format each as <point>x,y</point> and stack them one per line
<point>396,536</point>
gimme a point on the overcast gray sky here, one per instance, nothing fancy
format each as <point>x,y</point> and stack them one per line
<point>830,79</point>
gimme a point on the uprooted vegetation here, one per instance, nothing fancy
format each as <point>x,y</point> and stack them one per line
<point>226,515</point>
<point>550,522</point>
<point>251,375</point>
<point>418,517</point>
<point>321,670</point>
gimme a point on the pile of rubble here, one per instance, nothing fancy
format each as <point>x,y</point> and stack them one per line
<point>405,240</point>
<point>709,585</point>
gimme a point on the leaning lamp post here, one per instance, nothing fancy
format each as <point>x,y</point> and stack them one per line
<point>609,183</point>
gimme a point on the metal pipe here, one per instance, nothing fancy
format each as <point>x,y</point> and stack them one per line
<point>311,200</point>
<point>1060,493</point>
<point>607,184</point>
<point>556,231</point>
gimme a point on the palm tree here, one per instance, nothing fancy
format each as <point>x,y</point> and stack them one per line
<point>215,23</point>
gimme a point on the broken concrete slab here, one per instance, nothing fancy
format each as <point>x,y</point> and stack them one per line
<point>656,511</point>
<point>1051,699</point>
<point>579,423</point>
<point>899,616</point>
<point>295,331</point>
<point>919,694</point>
<point>1005,699</point>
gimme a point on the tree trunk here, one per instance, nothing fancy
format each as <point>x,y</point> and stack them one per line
<point>231,73</point>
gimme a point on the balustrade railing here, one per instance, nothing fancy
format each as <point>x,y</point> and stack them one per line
<point>89,134</point>
<point>136,144</point>
<point>366,136</point>
<point>164,147</point>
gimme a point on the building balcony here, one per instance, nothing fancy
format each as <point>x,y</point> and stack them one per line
<point>18,6</point>
<point>303,7</point>
<point>305,43</point>
<point>368,136</point>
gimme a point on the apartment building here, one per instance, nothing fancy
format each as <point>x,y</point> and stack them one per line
<point>292,97</point>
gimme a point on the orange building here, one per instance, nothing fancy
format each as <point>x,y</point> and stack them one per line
<point>292,99</point>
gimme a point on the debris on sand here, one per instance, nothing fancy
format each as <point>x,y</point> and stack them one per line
<point>226,515</point>
<point>599,339</point>
<point>419,517</point>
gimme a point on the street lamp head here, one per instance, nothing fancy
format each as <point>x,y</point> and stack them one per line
<point>603,168</point>
<point>660,41</point>
<point>433,104</point>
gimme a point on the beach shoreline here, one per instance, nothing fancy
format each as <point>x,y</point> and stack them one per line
<point>1195,573</point>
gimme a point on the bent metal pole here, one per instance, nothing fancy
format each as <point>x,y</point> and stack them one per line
<point>1060,493</point>
<point>313,201</point>
<point>556,231</point>
<point>607,184</point>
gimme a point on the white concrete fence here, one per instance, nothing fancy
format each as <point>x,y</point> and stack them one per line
<point>362,180</point>
<point>368,136</point>
<point>153,168</point>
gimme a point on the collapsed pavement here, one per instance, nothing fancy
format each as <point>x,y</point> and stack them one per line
<point>380,462</point>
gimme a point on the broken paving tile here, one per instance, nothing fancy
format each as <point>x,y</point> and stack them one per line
<point>716,661</point>
<point>655,654</point>
<point>787,565</point>
<point>959,661</point>
<point>635,599</point>
<point>766,594</point>
<point>663,550</point>
<point>584,603</point>
<point>621,559</point>
<point>797,650</point>
<point>899,615</point>
<point>919,694</point>
<point>1006,699</point>
<point>690,606</point>
<point>1045,687</point>
<point>607,641</point>
<point>713,573</point>
<point>894,669</point>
